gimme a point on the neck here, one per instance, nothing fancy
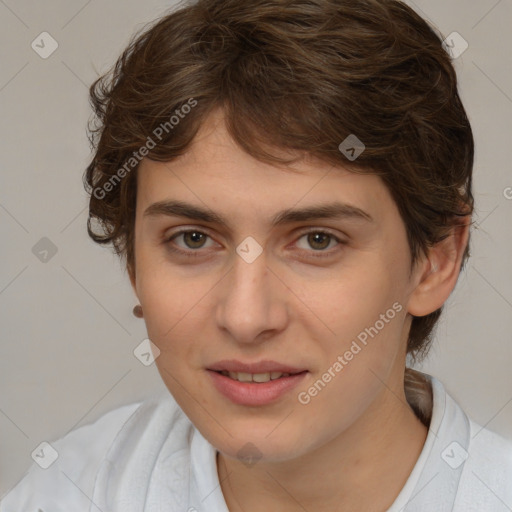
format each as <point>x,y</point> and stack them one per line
<point>363,468</point>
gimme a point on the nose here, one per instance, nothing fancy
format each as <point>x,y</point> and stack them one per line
<point>252,306</point>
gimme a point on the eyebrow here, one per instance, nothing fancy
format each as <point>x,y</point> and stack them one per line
<point>335,210</point>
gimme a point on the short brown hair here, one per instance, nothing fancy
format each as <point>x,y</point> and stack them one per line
<point>300,75</point>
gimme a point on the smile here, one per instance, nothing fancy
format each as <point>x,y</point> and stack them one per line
<point>255,389</point>
<point>254,377</point>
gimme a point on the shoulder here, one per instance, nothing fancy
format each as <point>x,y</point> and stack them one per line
<point>486,479</point>
<point>487,445</point>
<point>70,479</point>
<point>469,467</point>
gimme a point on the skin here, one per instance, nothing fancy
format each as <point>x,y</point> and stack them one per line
<point>353,446</point>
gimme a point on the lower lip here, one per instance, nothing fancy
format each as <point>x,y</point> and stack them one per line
<point>253,393</point>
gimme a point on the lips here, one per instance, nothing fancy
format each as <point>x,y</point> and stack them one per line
<point>259,367</point>
<point>259,392</point>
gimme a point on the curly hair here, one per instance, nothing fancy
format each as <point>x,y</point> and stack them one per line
<point>300,75</point>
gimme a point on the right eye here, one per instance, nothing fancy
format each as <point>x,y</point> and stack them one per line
<point>192,238</point>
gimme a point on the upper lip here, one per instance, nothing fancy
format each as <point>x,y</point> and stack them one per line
<point>266,366</point>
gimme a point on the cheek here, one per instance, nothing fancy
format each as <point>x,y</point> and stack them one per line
<point>175,319</point>
<point>171,297</point>
<point>353,299</point>
<point>354,369</point>
<point>365,314</point>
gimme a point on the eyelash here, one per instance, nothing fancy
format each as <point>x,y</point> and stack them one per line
<point>197,253</point>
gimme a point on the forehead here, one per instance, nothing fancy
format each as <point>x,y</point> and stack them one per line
<point>218,175</point>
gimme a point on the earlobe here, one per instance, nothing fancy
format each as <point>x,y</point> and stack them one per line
<point>439,271</point>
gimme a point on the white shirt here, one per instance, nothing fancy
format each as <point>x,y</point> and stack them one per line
<point>149,457</point>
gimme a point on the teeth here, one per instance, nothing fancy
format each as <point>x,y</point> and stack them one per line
<point>261,377</point>
<point>254,377</point>
<point>243,377</point>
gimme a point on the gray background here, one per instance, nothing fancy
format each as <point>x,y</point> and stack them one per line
<point>68,332</point>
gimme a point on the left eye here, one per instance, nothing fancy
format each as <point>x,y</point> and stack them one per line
<point>317,240</point>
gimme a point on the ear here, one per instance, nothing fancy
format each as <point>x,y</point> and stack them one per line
<point>439,270</point>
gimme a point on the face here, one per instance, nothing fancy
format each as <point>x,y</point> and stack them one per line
<point>322,297</point>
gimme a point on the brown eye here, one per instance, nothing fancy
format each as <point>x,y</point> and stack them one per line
<point>194,239</point>
<point>319,243</point>
<point>318,240</point>
<point>191,241</point>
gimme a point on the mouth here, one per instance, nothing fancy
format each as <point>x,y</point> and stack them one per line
<point>259,378</point>
<point>255,384</point>
<point>258,368</point>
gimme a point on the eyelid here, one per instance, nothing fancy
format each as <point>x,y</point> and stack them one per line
<point>187,229</point>
<point>314,229</point>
